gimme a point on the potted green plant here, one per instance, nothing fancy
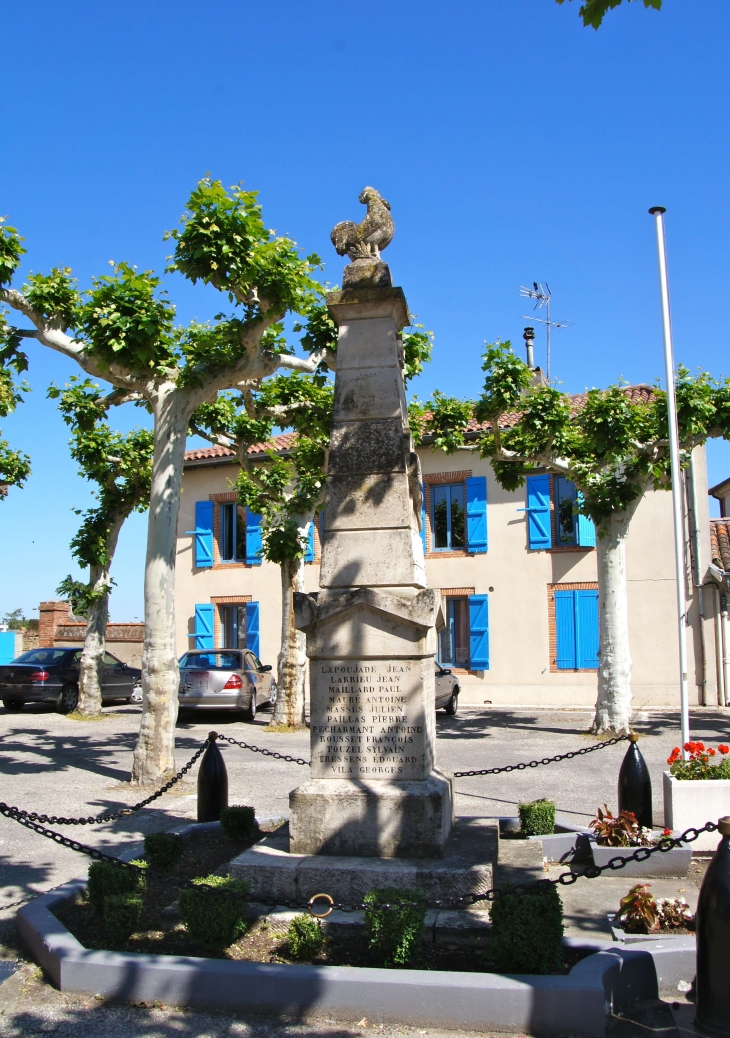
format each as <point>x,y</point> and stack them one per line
<point>618,836</point>
<point>642,916</point>
<point>697,790</point>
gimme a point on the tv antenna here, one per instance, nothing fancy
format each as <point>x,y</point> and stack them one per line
<point>542,296</point>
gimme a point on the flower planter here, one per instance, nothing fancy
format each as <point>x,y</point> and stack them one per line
<point>671,864</point>
<point>622,937</point>
<point>692,802</point>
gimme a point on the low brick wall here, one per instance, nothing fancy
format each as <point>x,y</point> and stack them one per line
<point>122,640</point>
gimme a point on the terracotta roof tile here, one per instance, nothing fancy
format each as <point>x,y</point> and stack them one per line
<point>282,442</point>
<point>640,394</point>
<point>720,543</point>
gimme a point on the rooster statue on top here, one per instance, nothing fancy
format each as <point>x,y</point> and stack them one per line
<point>363,243</point>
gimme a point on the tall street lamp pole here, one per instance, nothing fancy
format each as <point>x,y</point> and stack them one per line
<point>658,212</point>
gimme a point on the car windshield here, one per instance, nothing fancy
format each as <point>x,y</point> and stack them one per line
<point>211,661</point>
<point>42,656</point>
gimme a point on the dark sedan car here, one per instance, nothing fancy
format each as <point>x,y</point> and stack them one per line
<point>52,676</point>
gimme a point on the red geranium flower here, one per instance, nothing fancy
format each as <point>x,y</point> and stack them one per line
<point>723,749</point>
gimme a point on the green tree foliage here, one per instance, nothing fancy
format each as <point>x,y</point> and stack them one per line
<point>593,11</point>
<point>120,464</point>
<point>14,465</point>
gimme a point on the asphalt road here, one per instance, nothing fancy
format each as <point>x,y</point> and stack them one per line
<point>51,764</point>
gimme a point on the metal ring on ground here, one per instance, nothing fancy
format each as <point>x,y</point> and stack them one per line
<point>320,915</point>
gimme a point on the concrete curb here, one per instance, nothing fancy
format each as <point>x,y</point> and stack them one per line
<point>576,1004</point>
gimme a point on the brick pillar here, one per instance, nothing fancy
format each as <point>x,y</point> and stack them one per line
<point>51,615</point>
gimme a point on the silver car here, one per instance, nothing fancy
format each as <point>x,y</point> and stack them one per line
<point>447,690</point>
<point>225,679</point>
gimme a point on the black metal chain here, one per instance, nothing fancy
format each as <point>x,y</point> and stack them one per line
<point>17,812</point>
<point>265,752</point>
<point>615,864</point>
<point>287,758</point>
<point>545,760</point>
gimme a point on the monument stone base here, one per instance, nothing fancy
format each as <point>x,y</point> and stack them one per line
<point>373,818</point>
<point>278,876</point>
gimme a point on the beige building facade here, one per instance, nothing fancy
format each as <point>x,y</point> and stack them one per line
<point>517,572</point>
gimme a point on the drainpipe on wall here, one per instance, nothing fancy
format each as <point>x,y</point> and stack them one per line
<point>722,690</point>
<point>696,571</point>
<point>725,646</point>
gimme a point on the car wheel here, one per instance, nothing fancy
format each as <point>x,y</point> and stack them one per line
<point>68,699</point>
<point>272,694</point>
<point>453,704</point>
<point>13,706</point>
<point>136,696</point>
<point>249,712</point>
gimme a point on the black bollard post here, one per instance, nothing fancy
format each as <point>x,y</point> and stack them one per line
<point>212,783</point>
<point>712,923</point>
<point>634,784</point>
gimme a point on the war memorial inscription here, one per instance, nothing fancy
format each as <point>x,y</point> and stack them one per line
<point>367,720</point>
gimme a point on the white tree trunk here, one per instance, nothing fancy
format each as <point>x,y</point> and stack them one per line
<point>154,754</point>
<point>613,705</point>
<point>91,667</point>
<point>292,661</point>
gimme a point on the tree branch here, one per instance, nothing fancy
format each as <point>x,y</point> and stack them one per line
<point>49,334</point>
<point>218,439</point>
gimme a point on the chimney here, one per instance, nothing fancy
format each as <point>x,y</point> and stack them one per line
<point>51,616</point>
<point>529,336</point>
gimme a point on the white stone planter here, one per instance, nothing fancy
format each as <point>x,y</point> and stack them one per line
<point>692,802</point>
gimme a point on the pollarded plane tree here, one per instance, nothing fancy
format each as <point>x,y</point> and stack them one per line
<point>122,330</point>
<point>287,488</point>
<point>120,464</point>
<point>611,445</point>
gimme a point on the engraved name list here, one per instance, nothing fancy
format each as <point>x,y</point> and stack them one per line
<point>367,720</point>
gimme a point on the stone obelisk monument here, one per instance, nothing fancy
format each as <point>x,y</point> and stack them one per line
<point>375,789</point>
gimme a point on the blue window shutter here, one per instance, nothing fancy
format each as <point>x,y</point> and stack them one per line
<point>476,513</point>
<point>253,640</point>
<point>204,619</point>
<point>479,632</point>
<point>565,629</point>
<point>309,553</point>
<point>538,513</point>
<point>203,534</point>
<point>423,518</point>
<point>586,629</point>
<point>585,531</point>
<point>253,538</point>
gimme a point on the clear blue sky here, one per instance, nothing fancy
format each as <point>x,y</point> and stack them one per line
<point>513,144</point>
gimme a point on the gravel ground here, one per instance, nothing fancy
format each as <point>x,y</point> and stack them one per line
<point>55,765</point>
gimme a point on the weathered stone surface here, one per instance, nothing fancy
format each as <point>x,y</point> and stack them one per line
<point>368,633</point>
<point>367,392</point>
<point>382,558</point>
<point>366,304</point>
<point>372,818</point>
<point>467,867</point>
<point>372,718</point>
<point>368,447</point>
<point>368,344</point>
<point>367,272</point>
<point>367,502</point>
